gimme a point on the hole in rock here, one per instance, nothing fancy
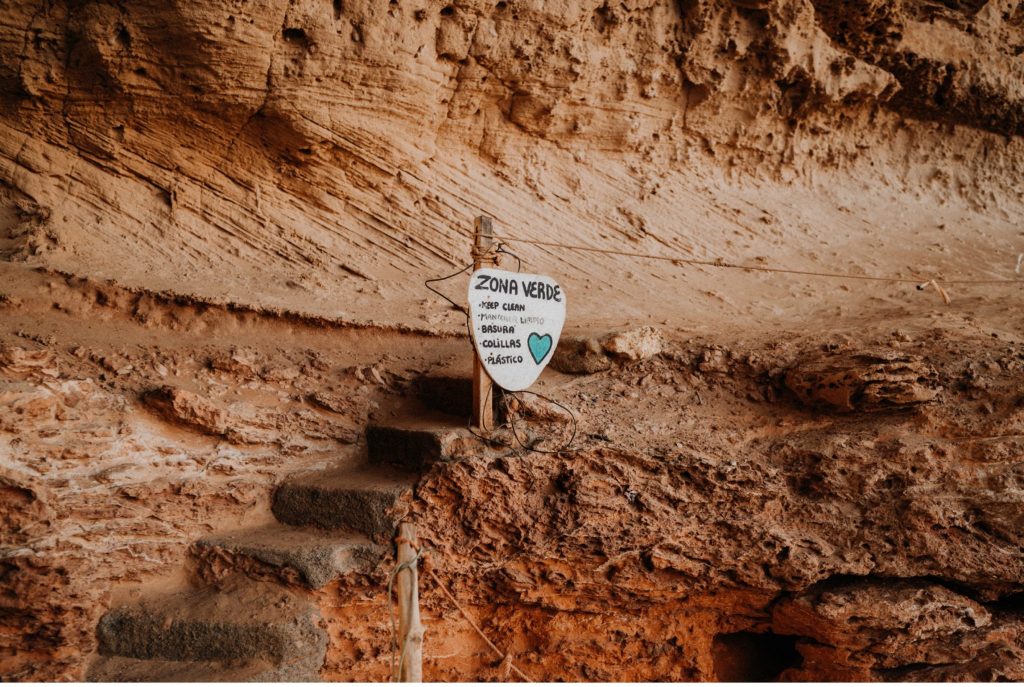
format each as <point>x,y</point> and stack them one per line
<point>753,657</point>
<point>123,37</point>
<point>295,36</point>
<point>1010,603</point>
<point>448,11</point>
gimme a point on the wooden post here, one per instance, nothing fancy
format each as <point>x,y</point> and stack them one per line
<point>483,387</point>
<point>410,631</point>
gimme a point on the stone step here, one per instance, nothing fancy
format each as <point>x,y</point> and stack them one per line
<point>451,393</point>
<point>362,499</point>
<point>242,620</point>
<point>415,444</point>
<point>309,556</point>
<point>446,393</point>
<point>122,669</point>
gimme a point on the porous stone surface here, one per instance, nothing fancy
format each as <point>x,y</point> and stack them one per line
<point>247,621</point>
<point>700,497</point>
<point>882,548</point>
<point>864,380</point>
<point>121,669</point>
<point>314,557</point>
<point>216,221</point>
<point>417,442</point>
<point>366,501</point>
<point>635,344</point>
<point>900,630</point>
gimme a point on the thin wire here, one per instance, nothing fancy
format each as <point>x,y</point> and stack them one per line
<point>427,283</point>
<point>519,263</point>
<point>565,447</point>
<point>481,437</point>
<point>469,334</point>
<point>502,655</point>
<point>755,268</point>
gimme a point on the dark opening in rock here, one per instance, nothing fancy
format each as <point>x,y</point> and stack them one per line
<point>753,657</point>
<point>123,37</point>
<point>295,36</point>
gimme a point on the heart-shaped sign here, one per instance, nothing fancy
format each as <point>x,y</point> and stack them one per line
<point>516,321</point>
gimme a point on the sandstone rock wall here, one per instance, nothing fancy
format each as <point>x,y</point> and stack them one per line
<point>119,452</point>
<point>230,164</point>
<point>800,505</point>
<point>780,538</point>
<point>310,155</point>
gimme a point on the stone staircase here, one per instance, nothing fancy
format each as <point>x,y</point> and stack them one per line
<point>259,622</point>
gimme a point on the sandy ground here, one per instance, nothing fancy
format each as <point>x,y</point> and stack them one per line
<point>867,232</point>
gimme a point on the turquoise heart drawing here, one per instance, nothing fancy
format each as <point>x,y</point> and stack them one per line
<point>539,345</point>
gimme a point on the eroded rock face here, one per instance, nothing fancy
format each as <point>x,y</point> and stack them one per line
<point>241,422</point>
<point>864,381</point>
<point>702,516</point>
<point>907,39</point>
<point>863,630</point>
<point>98,491</point>
<point>848,523</point>
<point>287,153</point>
<point>312,156</point>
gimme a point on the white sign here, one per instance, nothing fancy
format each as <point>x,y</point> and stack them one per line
<point>516,321</point>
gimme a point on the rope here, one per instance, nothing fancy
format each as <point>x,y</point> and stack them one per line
<point>756,268</point>
<point>408,565</point>
<point>488,255</point>
<point>505,658</point>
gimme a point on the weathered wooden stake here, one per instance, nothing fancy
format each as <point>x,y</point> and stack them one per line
<point>483,401</point>
<point>410,631</point>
